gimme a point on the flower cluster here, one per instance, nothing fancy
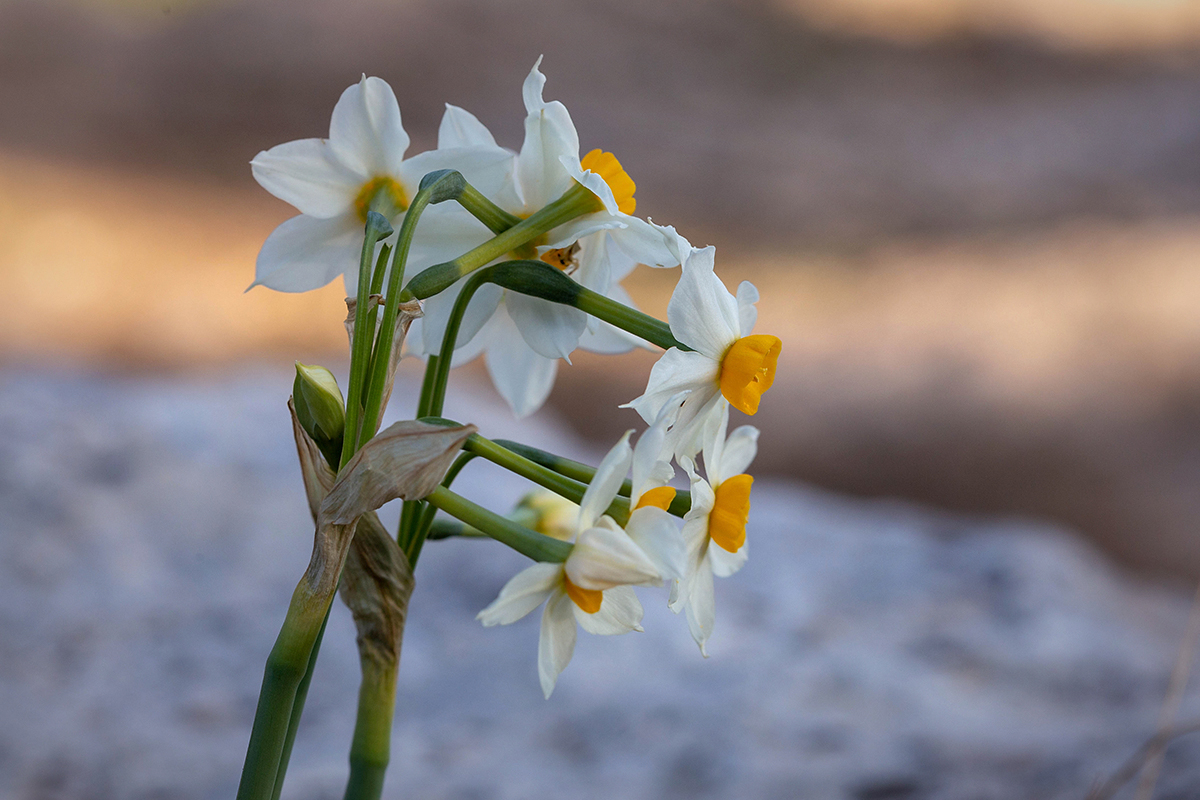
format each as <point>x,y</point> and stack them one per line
<point>518,256</point>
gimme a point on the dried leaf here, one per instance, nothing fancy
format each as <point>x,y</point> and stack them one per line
<point>376,585</point>
<point>407,461</point>
<point>373,302</point>
<point>317,474</point>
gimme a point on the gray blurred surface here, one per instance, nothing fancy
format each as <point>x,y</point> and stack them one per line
<point>151,532</point>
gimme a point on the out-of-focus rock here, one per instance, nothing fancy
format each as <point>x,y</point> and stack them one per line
<point>152,532</point>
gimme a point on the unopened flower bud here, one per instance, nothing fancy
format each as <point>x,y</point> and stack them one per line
<point>320,408</point>
<point>547,513</point>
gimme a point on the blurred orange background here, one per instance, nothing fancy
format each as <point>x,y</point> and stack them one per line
<point>975,224</point>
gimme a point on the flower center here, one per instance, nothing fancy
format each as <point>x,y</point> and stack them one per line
<point>731,510</point>
<point>588,600</point>
<point>607,167</point>
<point>659,497</point>
<point>748,370</point>
<point>383,194</point>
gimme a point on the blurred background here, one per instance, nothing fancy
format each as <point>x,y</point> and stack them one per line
<point>974,222</point>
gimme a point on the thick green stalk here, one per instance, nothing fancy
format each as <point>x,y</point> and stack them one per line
<point>298,710</point>
<point>285,671</point>
<point>360,355</point>
<point>518,537</point>
<point>575,202</point>
<point>584,473</point>
<point>371,746</point>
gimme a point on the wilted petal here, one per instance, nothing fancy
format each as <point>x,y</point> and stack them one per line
<point>522,594</point>
<point>365,132</point>
<point>306,253</point>
<point>604,557</point>
<point>620,612</point>
<point>376,585</point>
<point>556,643</point>
<point>304,174</point>
<point>407,460</point>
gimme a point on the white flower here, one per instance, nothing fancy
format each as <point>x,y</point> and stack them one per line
<point>523,337</point>
<point>334,182</point>
<point>726,365</point>
<point>714,530</point>
<point>592,587</point>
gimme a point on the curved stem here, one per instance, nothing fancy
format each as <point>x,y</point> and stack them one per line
<point>298,710</point>
<point>518,537</point>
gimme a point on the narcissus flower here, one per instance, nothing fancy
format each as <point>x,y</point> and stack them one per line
<point>361,166</point>
<point>523,337</point>
<point>592,587</point>
<point>726,364</point>
<point>714,530</point>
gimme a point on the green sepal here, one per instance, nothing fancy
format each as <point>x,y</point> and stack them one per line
<point>320,408</point>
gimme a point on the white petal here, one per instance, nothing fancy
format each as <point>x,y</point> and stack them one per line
<point>521,376</point>
<point>551,329</point>
<point>725,563</point>
<point>604,556</point>
<point>620,612</point>
<point>677,371</point>
<point>702,313</point>
<point>556,642</point>
<point>486,168</point>
<point>701,606</point>
<point>461,128</point>
<point>739,451</point>
<point>645,243</point>
<point>678,246</point>
<point>747,296</point>
<point>657,534</point>
<point>439,308</point>
<point>522,594</point>
<point>605,483</point>
<point>366,133</point>
<point>595,267</point>
<point>699,417</point>
<point>713,448</point>
<point>549,135</point>
<point>579,228</point>
<point>303,174</point>
<point>306,253</point>
<point>593,182</point>
<point>651,465</point>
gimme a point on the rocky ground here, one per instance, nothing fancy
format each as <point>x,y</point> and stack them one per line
<point>152,530</point>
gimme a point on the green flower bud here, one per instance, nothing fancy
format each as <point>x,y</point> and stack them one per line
<point>320,408</point>
<point>547,513</point>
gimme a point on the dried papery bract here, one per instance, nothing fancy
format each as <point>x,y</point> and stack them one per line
<point>406,312</point>
<point>317,474</point>
<point>407,461</point>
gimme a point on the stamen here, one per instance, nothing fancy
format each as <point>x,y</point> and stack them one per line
<point>607,167</point>
<point>563,258</point>
<point>392,195</point>
<point>659,497</point>
<point>731,511</point>
<point>588,600</point>
<point>748,370</point>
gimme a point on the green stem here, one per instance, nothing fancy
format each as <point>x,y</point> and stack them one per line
<point>575,202</point>
<point>441,370</point>
<point>584,473</point>
<point>518,537</point>
<point>360,354</point>
<point>297,710</point>
<point>496,218</point>
<point>371,747</point>
<point>547,478</point>
<point>285,671</point>
<point>426,512</point>
<point>447,528</point>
